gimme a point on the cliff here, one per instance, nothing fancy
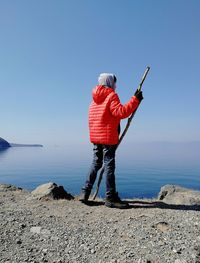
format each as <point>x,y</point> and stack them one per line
<point>4,144</point>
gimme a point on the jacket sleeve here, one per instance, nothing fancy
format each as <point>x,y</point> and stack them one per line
<point>123,111</point>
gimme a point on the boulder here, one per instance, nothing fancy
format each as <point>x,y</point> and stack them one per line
<point>177,195</point>
<point>9,187</point>
<point>50,191</point>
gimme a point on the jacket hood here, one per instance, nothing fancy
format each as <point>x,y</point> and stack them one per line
<point>107,79</point>
<point>100,93</point>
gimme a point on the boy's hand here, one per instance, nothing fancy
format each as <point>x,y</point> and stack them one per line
<point>138,95</point>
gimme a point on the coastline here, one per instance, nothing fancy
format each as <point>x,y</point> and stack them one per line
<point>5,144</point>
<point>69,231</point>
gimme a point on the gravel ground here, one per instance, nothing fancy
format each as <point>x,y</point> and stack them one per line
<point>69,231</point>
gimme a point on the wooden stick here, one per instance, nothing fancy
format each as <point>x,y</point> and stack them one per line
<point>123,134</point>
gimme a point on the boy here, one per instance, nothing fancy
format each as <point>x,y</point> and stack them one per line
<point>105,113</point>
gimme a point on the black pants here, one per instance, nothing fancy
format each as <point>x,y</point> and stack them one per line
<point>103,154</point>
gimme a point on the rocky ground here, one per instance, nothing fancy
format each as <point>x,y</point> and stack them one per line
<point>61,231</point>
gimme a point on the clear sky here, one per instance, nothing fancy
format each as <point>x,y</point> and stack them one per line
<point>51,53</point>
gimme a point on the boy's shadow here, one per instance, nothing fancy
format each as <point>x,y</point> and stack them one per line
<point>162,205</point>
<point>149,204</point>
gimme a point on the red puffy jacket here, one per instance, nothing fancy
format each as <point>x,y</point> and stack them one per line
<point>105,113</point>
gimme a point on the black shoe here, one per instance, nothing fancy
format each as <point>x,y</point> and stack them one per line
<point>116,202</point>
<point>84,196</point>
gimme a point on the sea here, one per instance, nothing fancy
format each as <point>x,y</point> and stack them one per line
<point>141,168</point>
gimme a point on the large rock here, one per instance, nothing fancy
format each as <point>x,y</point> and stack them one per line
<point>51,191</point>
<point>174,194</point>
<point>9,187</point>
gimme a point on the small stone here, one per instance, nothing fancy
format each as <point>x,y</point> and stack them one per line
<point>22,225</point>
<point>130,254</point>
<point>178,251</point>
<point>35,229</point>
<point>18,241</point>
<point>45,232</point>
<point>162,226</point>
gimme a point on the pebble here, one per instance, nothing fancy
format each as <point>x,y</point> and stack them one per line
<point>18,241</point>
<point>35,229</point>
<point>22,225</point>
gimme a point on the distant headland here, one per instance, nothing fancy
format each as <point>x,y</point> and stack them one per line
<point>5,144</point>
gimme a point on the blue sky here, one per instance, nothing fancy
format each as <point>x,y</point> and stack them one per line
<point>53,51</point>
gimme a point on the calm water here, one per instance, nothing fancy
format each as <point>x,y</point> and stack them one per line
<point>141,169</point>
